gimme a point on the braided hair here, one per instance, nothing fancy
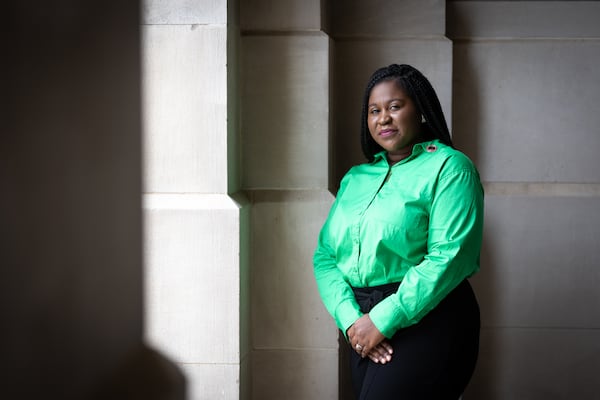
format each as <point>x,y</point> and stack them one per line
<point>417,87</point>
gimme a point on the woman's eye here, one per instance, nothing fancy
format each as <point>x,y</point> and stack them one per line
<point>374,111</point>
<point>394,107</point>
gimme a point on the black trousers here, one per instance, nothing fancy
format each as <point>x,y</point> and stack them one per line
<point>433,359</point>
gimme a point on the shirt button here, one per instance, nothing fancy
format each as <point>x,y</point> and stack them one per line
<point>431,148</point>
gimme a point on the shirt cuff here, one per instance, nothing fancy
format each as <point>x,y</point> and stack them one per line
<point>346,314</point>
<point>386,317</point>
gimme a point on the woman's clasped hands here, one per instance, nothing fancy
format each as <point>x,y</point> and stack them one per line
<point>368,341</point>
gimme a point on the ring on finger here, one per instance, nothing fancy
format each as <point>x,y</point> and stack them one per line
<point>358,347</point>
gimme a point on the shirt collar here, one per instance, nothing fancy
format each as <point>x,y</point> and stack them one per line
<point>417,149</point>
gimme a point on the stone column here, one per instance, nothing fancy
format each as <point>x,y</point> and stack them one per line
<point>527,95</point>
<point>194,233</point>
<point>285,161</point>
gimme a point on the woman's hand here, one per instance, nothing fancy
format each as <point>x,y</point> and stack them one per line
<point>365,338</point>
<point>382,353</point>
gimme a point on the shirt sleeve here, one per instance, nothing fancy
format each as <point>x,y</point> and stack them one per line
<point>453,248</point>
<point>336,293</point>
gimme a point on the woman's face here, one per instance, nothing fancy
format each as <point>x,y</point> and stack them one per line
<point>392,118</point>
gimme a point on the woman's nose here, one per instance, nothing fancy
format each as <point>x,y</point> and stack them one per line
<point>384,117</point>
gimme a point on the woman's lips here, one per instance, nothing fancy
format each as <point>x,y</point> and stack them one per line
<point>387,132</point>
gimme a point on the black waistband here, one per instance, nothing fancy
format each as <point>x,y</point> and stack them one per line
<point>368,297</point>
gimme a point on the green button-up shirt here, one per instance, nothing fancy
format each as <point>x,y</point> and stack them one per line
<point>418,222</point>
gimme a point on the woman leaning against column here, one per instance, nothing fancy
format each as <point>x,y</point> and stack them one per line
<point>400,241</point>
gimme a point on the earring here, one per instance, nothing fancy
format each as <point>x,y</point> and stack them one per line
<point>423,119</point>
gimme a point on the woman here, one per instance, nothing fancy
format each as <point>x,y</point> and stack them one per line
<point>402,237</point>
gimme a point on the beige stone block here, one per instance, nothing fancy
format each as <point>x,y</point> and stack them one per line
<point>192,253</point>
<point>539,265</point>
<point>184,12</point>
<point>185,110</point>
<point>510,19</point>
<point>355,61</point>
<point>527,111</point>
<point>359,18</point>
<point>286,308</point>
<point>522,363</point>
<point>212,381</point>
<point>285,111</point>
<point>295,374</point>
<point>284,15</point>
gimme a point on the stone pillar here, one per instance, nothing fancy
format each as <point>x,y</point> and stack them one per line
<point>285,160</point>
<point>526,100</point>
<point>195,245</point>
